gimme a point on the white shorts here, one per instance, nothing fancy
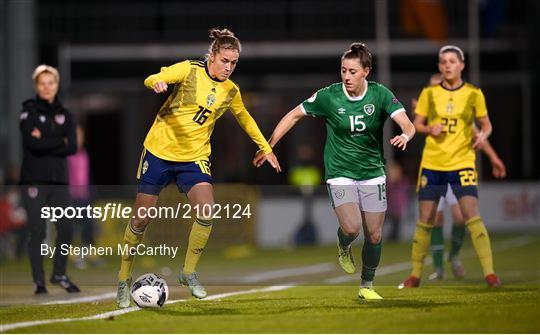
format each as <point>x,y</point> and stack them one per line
<point>369,194</point>
<point>449,198</point>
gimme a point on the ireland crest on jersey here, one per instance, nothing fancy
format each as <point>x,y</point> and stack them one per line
<point>210,99</point>
<point>369,109</point>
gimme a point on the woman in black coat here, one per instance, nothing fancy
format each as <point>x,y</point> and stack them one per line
<point>48,134</point>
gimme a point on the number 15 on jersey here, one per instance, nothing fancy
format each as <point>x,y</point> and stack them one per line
<point>355,120</point>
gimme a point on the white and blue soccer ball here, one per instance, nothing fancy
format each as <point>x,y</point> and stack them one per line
<point>150,290</point>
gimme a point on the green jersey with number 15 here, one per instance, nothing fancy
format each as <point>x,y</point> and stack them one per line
<point>354,128</point>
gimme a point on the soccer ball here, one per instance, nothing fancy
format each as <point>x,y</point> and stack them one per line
<point>150,290</point>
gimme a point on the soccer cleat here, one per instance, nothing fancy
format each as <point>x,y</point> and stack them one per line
<point>65,283</point>
<point>192,282</point>
<point>410,282</point>
<point>40,288</point>
<point>437,275</point>
<point>493,281</point>
<point>122,295</point>
<point>368,293</point>
<point>345,258</point>
<point>457,268</point>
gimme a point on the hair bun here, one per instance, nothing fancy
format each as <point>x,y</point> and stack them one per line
<point>222,39</point>
<point>216,33</point>
<point>360,51</point>
<point>357,46</point>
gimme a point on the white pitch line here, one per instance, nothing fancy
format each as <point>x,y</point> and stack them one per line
<point>288,272</point>
<point>282,273</point>
<point>6,327</point>
<point>111,295</point>
<point>230,294</point>
<point>89,298</point>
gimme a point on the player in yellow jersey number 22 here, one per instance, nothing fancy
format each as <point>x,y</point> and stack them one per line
<point>446,114</point>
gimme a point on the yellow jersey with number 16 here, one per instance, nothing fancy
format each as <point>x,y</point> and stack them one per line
<point>456,110</point>
<point>182,129</point>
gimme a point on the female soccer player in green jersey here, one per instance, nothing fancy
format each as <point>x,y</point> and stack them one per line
<point>354,111</point>
<point>177,147</point>
<point>446,114</point>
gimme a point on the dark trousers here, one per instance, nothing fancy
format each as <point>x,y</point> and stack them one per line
<point>34,199</point>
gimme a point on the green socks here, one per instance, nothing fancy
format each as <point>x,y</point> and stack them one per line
<point>458,232</point>
<point>437,247</point>
<point>345,240</point>
<point>371,256</point>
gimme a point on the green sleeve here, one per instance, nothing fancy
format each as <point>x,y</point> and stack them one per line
<point>390,103</point>
<point>317,104</point>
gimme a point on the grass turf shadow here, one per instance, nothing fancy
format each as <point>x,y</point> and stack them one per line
<point>401,303</point>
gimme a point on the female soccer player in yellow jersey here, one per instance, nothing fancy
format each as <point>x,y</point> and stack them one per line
<point>446,113</point>
<point>177,148</point>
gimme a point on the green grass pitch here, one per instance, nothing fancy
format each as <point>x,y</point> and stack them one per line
<point>310,305</point>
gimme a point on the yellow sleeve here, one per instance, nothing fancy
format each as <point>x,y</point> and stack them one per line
<point>247,123</point>
<point>170,74</point>
<point>422,106</point>
<point>480,107</point>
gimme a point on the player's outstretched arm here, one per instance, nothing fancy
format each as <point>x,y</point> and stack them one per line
<point>284,125</point>
<point>159,82</point>
<point>498,169</point>
<point>407,129</point>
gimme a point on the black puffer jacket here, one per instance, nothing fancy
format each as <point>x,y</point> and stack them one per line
<point>44,158</point>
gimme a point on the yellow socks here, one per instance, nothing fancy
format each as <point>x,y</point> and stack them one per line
<point>420,247</point>
<point>132,238</point>
<point>200,231</point>
<point>481,243</point>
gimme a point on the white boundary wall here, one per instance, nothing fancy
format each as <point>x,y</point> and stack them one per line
<point>505,207</point>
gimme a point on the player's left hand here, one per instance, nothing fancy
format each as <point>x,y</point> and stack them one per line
<point>399,141</point>
<point>498,169</point>
<point>261,157</point>
<point>272,159</point>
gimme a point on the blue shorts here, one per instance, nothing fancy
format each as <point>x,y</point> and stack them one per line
<point>432,184</point>
<point>155,173</point>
